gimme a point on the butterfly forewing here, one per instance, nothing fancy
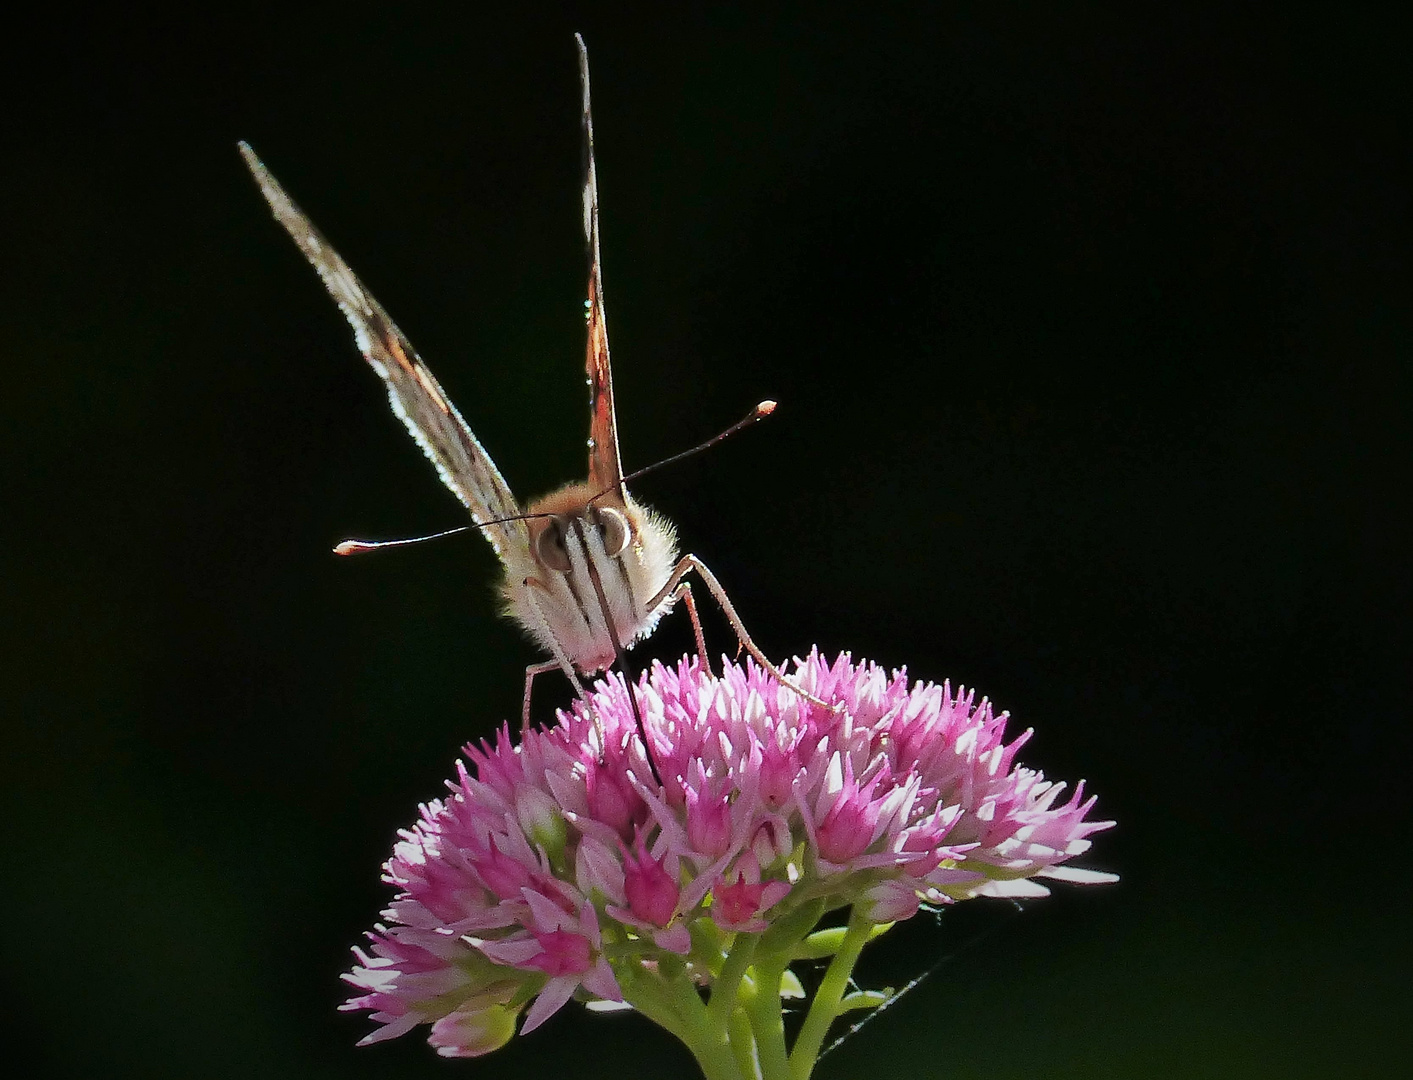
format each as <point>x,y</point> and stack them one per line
<point>416,397</point>
<point>605,469</point>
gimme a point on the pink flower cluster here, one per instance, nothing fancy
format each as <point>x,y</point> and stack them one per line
<point>557,865</point>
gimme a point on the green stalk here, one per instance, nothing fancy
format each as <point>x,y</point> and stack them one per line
<point>743,1043</point>
<point>767,1024</point>
<point>825,1007</point>
<point>649,995</point>
<point>725,991</point>
<point>706,1036</point>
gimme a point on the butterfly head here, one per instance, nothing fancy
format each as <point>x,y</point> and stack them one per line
<point>589,555</point>
<point>607,525</point>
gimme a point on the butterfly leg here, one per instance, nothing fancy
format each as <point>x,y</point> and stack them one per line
<point>686,565</point>
<point>530,673</point>
<point>684,593</point>
<point>561,661</point>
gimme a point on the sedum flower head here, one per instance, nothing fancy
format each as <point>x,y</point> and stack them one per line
<point>557,867</point>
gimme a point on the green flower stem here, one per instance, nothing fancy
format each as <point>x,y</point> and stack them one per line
<point>739,1032</point>
<point>725,991</point>
<point>649,995</point>
<point>787,931</point>
<point>825,1007</point>
<point>673,1004</point>
<point>717,1061</point>
<point>743,1042</point>
<point>767,1024</point>
<point>707,1037</point>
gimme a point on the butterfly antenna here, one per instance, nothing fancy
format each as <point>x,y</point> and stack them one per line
<point>755,416</point>
<point>357,547</point>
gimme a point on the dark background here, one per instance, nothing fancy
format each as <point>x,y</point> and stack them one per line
<point>1090,331</point>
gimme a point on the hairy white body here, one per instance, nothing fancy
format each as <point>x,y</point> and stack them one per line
<point>549,585</point>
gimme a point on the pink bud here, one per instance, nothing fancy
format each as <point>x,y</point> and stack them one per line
<point>847,827</point>
<point>708,823</point>
<point>613,801</point>
<point>473,1031</point>
<point>503,875</point>
<point>597,870</point>
<point>564,953</point>
<point>778,768</point>
<point>736,903</point>
<point>652,892</point>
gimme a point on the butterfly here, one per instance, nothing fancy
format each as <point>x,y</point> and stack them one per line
<point>588,571</point>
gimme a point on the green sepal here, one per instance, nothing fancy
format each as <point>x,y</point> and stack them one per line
<point>790,985</point>
<point>823,944</point>
<point>865,999</point>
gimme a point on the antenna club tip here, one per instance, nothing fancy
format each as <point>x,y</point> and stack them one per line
<point>765,408</point>
<point>348,547</point>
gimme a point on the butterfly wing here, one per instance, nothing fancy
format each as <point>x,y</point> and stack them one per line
<point>415,395</point>
<point>605,469</point>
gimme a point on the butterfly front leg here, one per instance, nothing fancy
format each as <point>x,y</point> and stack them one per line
<point>561,660</point>
<point>688,563</point>
<point>531,672</point>
<point>684,593</point>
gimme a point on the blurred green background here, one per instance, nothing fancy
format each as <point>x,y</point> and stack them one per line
<point>1090,331</point>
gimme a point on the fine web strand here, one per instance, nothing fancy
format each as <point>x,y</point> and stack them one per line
<point>970,943</point>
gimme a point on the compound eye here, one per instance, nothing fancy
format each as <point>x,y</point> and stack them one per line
<point>550,549</point>
<point>615,530</point>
